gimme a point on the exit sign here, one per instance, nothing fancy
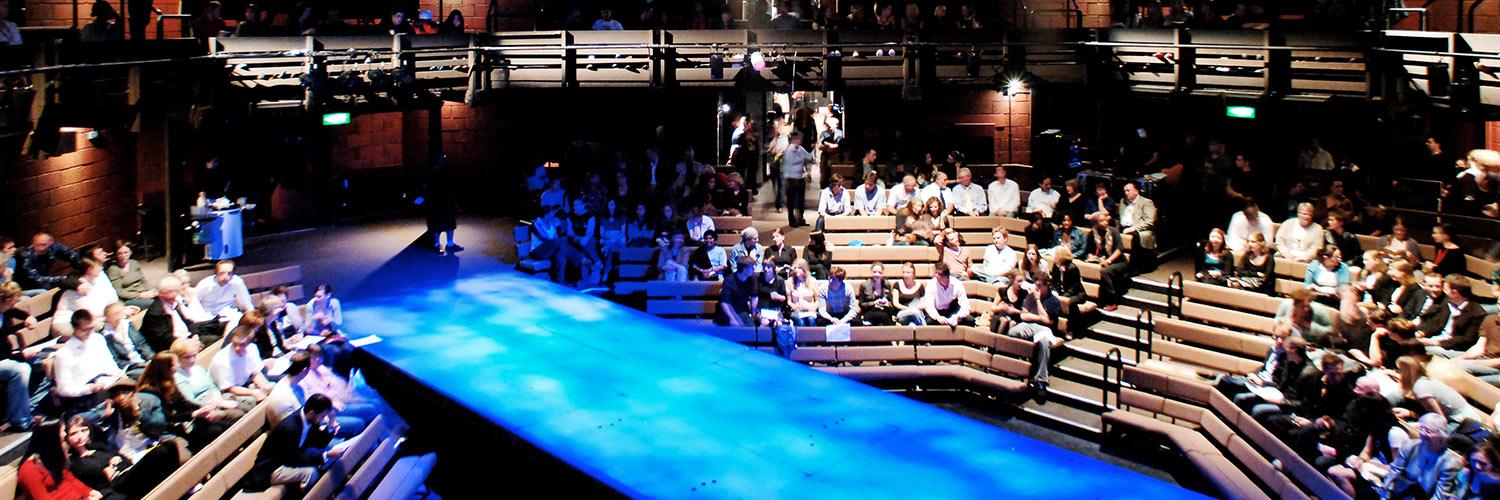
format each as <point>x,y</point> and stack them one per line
<point>336,118</point>
<point>1240,111</point>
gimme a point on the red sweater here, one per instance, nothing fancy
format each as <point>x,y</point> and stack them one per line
<point>38,484</point>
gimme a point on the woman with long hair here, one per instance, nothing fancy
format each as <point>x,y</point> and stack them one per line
<point>908,297</point>
<point>163,404</point>
<point>802,297</point>
<point>1256,269</point>
<point>44,472</point>
<point>101,466</point>
<point>818,255</point>
<point>1215,262</point>
<point>1432,396</point>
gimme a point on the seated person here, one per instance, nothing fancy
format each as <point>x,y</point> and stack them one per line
<point>899,197</point>
<point>297,448</point>
<point>291,393</point>
<point>272,337</point>
<point>321,379</point>
<point>1429,395</point>
<point>834,201</point>
<point>1038,323</point>
<point>709,261</point>
<point>1313,397</point>
<point>999,259</point>
<point>1233,385</point>
<point>1483,359</point>
<point>44,472</point>
<point>672,259</point>
<point>1300,238</point>
<point>1308,319</point>
<point>164,406</point>
<point>944,299</point>
<point>1106,248</point>
<point>237,369</point>
<point>837,304</point>
<point>125,341</point>
<point>749,246</point>
<point>1256,269</point>
<point>1426,468</point>
<point>1245,222</point>
<point>951,251</point>
<point>1215,262</point>
<point>120,423</point>
<point>876,306</point>
<point>1067,282</point>
<point>89,290</point>
<point>198,386</point>
<point>1067,235</point>
<point>15,367</point>
<point>1292,380</point>
<point>1460,320</point>
<point>83,368</point>
<point>1391,339</point>
<point>224,294</point>
<point>125,273</point>
<point>906,295</point>
<point>1043,199</point>
<point>1327,273</point>
<point>968,198</point>
<point>325,315</point>
<point>169,318</point>
<point>34,264</point>
<point>102,467</point>
<point>770,294</point>
<point>802,296</point>
<point>738,297</point>
<point>870,197</point>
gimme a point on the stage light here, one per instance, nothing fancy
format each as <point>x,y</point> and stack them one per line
<point>724,109</point>
<point>1014,86</point>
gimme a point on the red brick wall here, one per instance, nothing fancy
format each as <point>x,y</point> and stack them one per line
<point>86,196</point>
<point>368,141</point>
<point>1492,135</point>
<point>1012,145</point>
<point>60,13</point>
<point>474,12</point>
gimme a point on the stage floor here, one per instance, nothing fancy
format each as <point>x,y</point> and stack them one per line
<point>656,410</point>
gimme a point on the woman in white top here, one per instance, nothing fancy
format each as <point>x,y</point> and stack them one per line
<point>870,197</point>
<point>801,296</point>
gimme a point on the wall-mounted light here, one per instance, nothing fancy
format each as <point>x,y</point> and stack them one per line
<point>1014,86</point>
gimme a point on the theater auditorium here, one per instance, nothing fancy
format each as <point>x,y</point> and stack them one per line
<point>416,249</point>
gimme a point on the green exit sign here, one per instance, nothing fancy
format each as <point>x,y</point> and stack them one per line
<point>1240,112</point>
<point>336,118</point>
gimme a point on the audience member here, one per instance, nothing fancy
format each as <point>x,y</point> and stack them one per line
<point>901,196</point>
<point>738,298</point>
<point>1425,468</point>
<point>1448,256</point>
<point>1256,269</point>
<point>325,316</point>
<point>951,252</point>
<point>1066,235</point>
<point>771,294</point>
<point>1071,203</point>
<point>297,448</point>
<point>162,404</point>
<point>1099,204</point>
<point>35,262</point>
<point>1003,195</point>
<point>999,259</point>
<point>1327,274</point>
<point>237,368</point>
<point>1300,239</point>
<point>795,162</point>
<point>195,384</point>
<point>1038,323</point>
<point>672,258</point>
<point>818,254</point>
<point>1138,219</point>
<point>968,197</point>
<point>106,25</point>
<point>210,23</point>
<point>709,261</point>
<point>803,297</point>
<point>837,304</point>
<point>1458,328</point>
<point>1215,263</point>
<point>834,201</point>
<point>870,197</point>
<point>1043,199</point>
<point>1244,222</point>
<point>126,343</point>
<point>10,34</point>
<point>944,299</point>
<point>128,280</point>
<point>1067,281</point>
<point>15,368</point>
<point>44,473</point>
<point>938,190</point>
<point>1432,396</point>
<point>1106,248</point>
<point>104,468</point>
<point>82,368</point>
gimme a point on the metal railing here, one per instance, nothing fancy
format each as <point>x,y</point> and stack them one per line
<point>1113,359</point>
<point>1421,13</point>
<point>1175,294</point>
<point>1149,330</point>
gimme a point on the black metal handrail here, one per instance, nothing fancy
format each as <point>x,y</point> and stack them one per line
<point>1175,295</point>
<point>1113,359</point>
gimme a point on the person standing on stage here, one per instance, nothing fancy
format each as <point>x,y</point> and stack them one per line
<point>794,172</point>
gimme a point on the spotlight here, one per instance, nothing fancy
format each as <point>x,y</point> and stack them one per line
<point>1014,86</point>
<point>724,109</point>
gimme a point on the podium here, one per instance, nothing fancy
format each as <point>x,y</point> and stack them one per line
<point>222,233</point>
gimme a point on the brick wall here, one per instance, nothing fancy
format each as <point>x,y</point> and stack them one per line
<point>1442,16</point>
<point>60,13</point>
<point>368,141</point>
<point>86,196</point>
<point>1492,135</point>
<point>474,12</point>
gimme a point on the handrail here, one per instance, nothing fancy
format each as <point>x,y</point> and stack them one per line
<point>1117,359</point>
<point>1174,284</point>
<point>1420,11</point>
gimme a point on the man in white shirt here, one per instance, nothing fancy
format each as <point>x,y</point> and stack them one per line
<point>938,188</point>
<point>1043,199</point>
<point>83,367</point>
<point>1004,195</point>
<point>999,260</point>
<point>237,369</point>
<point>968,197</point>
<point>699,224</point>
<point>900,196</point>
<point>944,300</point>
<point>224,294</point>
<point>869,198</point>
<point>1243,222</point>
<point>834,200</point>
<point>92,292</point>
<point>1300,238</point>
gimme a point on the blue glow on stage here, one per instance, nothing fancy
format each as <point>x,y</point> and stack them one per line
<point>657,410</point>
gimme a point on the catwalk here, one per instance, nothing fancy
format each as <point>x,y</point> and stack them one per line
<point>652,409</point>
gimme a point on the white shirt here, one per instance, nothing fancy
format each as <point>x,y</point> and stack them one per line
<point>998,261</point>
<point>285,398</point>
<point>121,333</point>
<point>699,226</point>
<point>1240,228</point>
<point>899,197</point>
<point>933,190</point>
<point>215,297</point>
<point>829,204</point>
<point>1297,242</point>
<point>1042,201</point>
<point>867,202</point>
<point>77,363</point>
<point>232,370</point>
<point>1004,199</point>
<point>102,295</point>
<point>970,199</point>
<point>936,297</point>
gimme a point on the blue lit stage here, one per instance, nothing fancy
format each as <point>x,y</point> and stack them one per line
<point>654,410</point>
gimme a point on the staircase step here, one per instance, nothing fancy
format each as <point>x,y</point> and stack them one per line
<point>1097,350</point>
<point>1067,416</point>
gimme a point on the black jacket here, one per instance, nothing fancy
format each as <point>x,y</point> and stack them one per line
<point>1465,330</point>
<point>34,269</point>
<point>156,326</point>
<point>867,296</point>
<point>283,450</point>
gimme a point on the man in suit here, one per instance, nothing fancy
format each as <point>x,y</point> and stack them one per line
<point>296,448</point>
<point>1138,218</point>
<point>1432,310</point>
<point>1458,329</point>
<point>165,320</point>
